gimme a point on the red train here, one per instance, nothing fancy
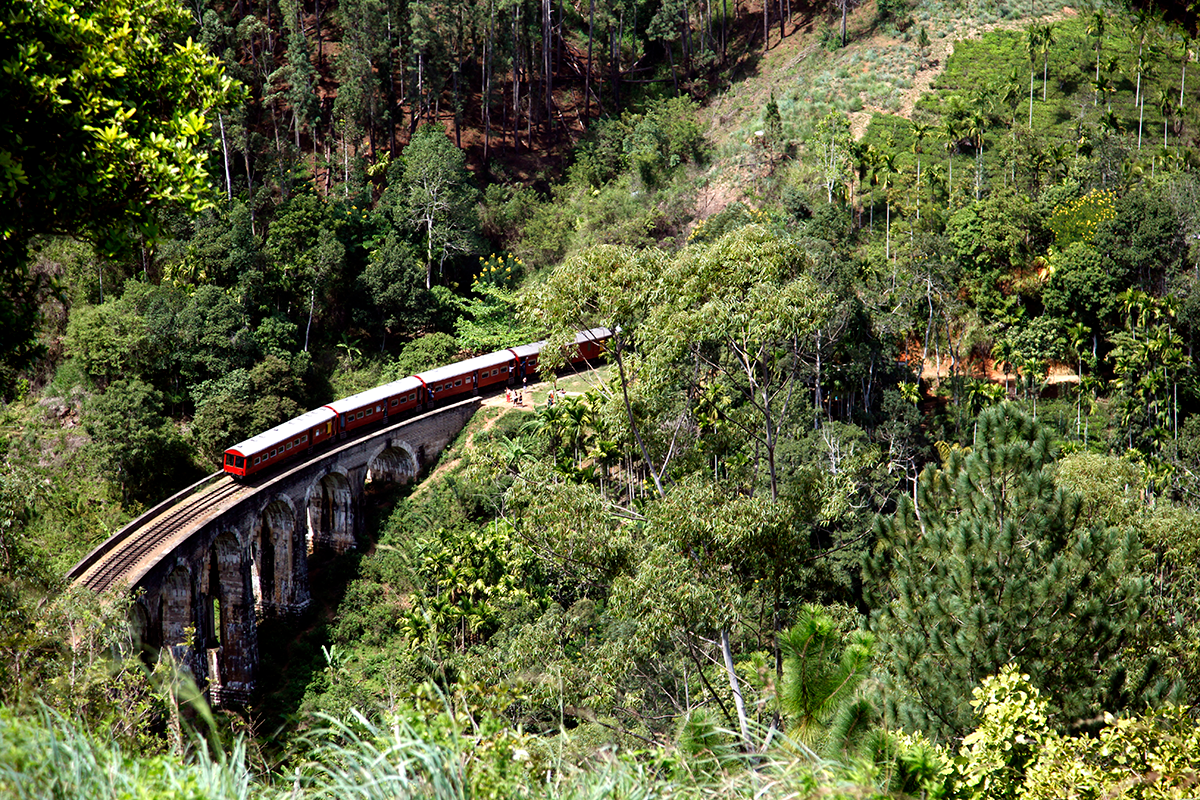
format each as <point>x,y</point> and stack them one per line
<point>418,392</point>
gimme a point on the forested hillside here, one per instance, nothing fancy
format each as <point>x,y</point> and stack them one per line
<point>889,485</point>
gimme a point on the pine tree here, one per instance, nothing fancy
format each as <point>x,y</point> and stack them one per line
<point>994,564</point>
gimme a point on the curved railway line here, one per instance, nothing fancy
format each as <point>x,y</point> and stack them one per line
<point>143,536</point>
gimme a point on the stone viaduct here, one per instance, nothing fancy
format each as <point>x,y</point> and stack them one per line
<point>238,553</point>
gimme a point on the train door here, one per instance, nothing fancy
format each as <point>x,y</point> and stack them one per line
<point>342,425</point>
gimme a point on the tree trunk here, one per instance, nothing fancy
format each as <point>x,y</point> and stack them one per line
<point>766,26</point>
<point>317,24</point>
<point>312,300</point>
<point>225,155</point>
<point>587,78</point>
<point>617,352</point>
<point>516,68</point>
<point>487,87</point>
<point>547,61</point>
<point>733,685</point>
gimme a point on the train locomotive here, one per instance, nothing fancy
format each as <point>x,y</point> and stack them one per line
<point>382,404</point>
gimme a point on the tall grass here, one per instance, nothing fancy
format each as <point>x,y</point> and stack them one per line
<point>48,757</point>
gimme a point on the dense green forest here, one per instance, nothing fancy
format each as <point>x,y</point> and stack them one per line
<point>890,483</point>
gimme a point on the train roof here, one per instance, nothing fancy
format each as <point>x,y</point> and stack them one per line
<point>593,335</point>
<point>590,335</point>
<point>282,432</point>
<point>463,367</point>
<point>526,350</point>
<point>370,396</point>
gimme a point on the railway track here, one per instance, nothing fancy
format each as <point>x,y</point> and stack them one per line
<point>145,539</point>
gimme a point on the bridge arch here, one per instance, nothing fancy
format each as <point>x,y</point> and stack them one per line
<point>394,462</point>
<point>278,560</point>
<point>331,519</point>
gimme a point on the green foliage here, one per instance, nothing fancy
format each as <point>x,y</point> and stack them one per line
<point>105,122</point>
<point>995,564</point>
<point>652,144</point>
<point>106,116</point>
<point>1081,287</point>
<point>135,444</point>
<point>106,340</point>
<point>425,352</point>
<point>730,218</point>
<point>48,755</point>
<point>1013,724</point>
<point>392,284</point>
<point>1014,751</point>
<point>242,403</point>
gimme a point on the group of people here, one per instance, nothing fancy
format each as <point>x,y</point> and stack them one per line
<point>517,396</point>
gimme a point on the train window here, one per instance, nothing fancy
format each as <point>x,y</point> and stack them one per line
<point>370,411</point>
<point>412,397</point>
<point>257,459</point>
<point>289,446</point>
<point>229,458</point>
<point>359,415</point>
<point>240,462</point>
<point>504,369</point>
<point>379,408</point>
<point>395,402</point>
<point>458,382</point>
<point>304,438</point>
<point>272,454</point>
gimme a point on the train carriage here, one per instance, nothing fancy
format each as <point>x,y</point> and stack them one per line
<point>376,405</point>
<point>464,377</point>
<point>398,398</point>
<point>281,443</point>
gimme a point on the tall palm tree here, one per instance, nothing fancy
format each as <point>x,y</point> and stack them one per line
<point>919,131</point>
<point>950,131</point>
<point>887,164</point>
<point>1045,42</point>
<point>1186,38</point>
<point>1148,71</point>
<point>1166,103</point>
<point>1096,28</point>
<point>976,125</point>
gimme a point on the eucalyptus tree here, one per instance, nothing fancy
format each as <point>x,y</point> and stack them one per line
<point>744,309</point>
<point>431,187</point>
<point>832,144</point>
<point>299,74</point>
<point>605,286</point>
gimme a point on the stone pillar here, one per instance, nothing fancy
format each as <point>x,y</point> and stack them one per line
<point>236,655</point>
